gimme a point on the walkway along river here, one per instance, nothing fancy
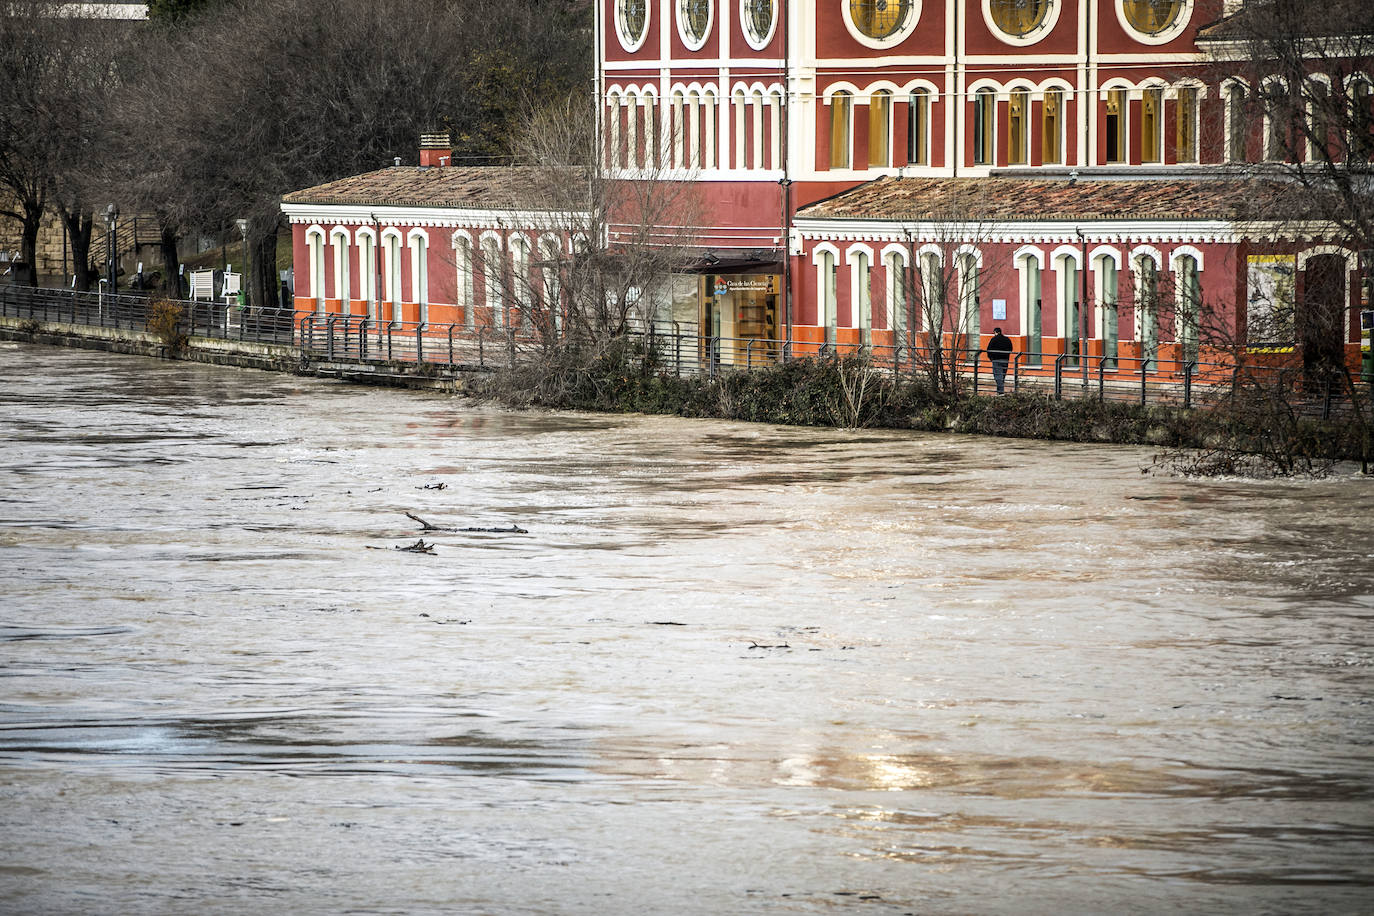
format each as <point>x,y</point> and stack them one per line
<point>728,668</point>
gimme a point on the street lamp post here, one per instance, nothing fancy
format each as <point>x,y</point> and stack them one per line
<point>112,244</point>
<point>247,261</point>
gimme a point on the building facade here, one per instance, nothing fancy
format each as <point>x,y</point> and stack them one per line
<point>883,173</point>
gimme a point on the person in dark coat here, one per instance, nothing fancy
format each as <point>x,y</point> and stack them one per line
<point>999,351</point>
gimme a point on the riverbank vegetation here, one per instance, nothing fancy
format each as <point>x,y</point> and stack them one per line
<point>1245,430</point>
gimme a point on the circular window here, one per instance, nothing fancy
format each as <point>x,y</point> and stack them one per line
<point>694,21</point>
<point>1151,16</point>
<point>1154,21</point>
<point>879,18</point>
<point>631,22</point>
<point>757,18</point>
<point>1021,22</point>
<point>1019,17</point>
<point>880,23</point>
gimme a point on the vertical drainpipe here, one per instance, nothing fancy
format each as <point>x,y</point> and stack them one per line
<point>786,182</point>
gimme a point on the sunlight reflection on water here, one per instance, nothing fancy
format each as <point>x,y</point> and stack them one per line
<point>728,668</point>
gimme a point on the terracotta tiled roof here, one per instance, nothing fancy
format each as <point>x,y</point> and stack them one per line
<point>1013,199</point>
<point>481,187</point>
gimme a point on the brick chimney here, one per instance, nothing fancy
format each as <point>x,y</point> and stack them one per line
<point>436,149</point>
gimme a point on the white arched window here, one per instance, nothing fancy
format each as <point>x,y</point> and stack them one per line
<point>391,269</point>
<point>918,127</point>
<point>894,262</point>
<point>491,279</point>
<point>827,291</point>
<point>550,254</point>
<point>861,292</point>
<point>462,289</point>
<point>314,243</point>
<point>841,111</point>
<point>970,295</point>
<point>419,272</point>
<point>985,127</point>
<point>367,271</point>
<point>1030,264</point>
<point>1106,268</point>
<point>1145,266</point>
<point>521,279</point>
<point>1187,267</point>
<point>1070,314</point>
<point>338,240</point>
<point>1237,121</point>
<point>880,129</point>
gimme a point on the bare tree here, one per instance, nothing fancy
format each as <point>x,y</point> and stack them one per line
<point>253,98</point>
<point>57,70</point>
<point>620,232</point>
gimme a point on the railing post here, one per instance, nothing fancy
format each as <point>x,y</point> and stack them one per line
<point>1143,363</point>
<point>329,334</point>
<point>420,342</point>
<point>1188,384</point>
<point>1059,376</point>
<point>450,347</point>
<point>1101,381</point>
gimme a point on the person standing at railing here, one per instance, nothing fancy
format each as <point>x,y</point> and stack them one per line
<point>999,352</point>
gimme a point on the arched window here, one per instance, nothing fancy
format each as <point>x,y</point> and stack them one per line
<point>550,256</point>
<point>1052,127</point>
<point>1185,134</point>
<point>984,132</point>
<point>1108,325</point>
<point>367,271</point>
<point>391,249</point>
<point>918,128</point>
<point>879,132</point>
<point>339,242</point>
<point>1032,311</point>
<point>862,295</point>
<point>897,320</point>
<point>1018,125</point>
<point>314,241</point>
<point>1115,128</point>
<point>1152,125</point>
<point>1070,307</point>
<point>491,280</point>
<point>1147,310</point>
<point>970,299</point>
<point>934,288</point>
<point>521,279</point>
<point>840,105</point>
<point>462,261</point>
<point>1189,297</point>
<point>1360,143</point>
<point>828,290</point>
<point>419,273</point>
<point>1237,122</point>
<point>1277,121</point>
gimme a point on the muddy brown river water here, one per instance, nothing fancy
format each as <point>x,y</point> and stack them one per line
<point>727,669</point>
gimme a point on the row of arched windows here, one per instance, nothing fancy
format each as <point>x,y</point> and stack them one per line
<point>1275,121</point>
<point>507,271</point>
<point>644,133</point>
<point>915,290</point>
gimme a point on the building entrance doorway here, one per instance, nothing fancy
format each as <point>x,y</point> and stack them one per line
<point>1323,317</point>
<point>740,312</point>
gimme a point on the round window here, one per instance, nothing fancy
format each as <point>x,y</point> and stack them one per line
<point>758,21</point>
<point>631,19</point>
<point>1152,16</point>
<point>694,17</point>
<point>879,19</point>
<point>1019,17</point>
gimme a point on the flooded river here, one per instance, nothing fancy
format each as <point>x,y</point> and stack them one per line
<point>724,669</point>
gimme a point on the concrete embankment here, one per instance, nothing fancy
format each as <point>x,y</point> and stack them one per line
<point>242,353</point>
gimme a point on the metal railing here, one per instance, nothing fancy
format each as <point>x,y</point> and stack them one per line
<point>132,312</point>
<point>679,349</point>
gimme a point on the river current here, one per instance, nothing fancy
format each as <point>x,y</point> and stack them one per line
<point>723,668</point>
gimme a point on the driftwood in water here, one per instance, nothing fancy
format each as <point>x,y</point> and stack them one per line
<point>513,529</point>
<point>419,546</point>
